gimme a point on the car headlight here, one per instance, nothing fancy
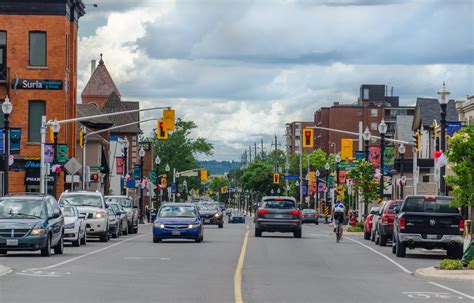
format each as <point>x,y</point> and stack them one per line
<point>100,214</point>
<point>217,215</point>
<point>190,226</point>
<point>70,225</point>
<point>159,225</point>
<point>39,231</point>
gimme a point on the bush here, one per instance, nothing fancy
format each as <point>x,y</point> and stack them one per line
<point>471,264</point>
<point>450,264</point>
<point>355,229</point>
<point>360,225</point>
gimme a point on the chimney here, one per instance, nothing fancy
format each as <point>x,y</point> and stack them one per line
<point>391,94</point>
<point>93,65</point>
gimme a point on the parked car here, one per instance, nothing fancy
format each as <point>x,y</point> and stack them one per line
<point>368,223</point>
<point>178,221</point>
<point>211,214</point>
<point>229,211</point>
<point>114,223</point>
<point>31,222</point>
<point>310,216</point>
<point>132,211</point>
<point>384,230</point>
<point>74,226</point>
<point>374,220</point>
<point>236,217</point>
<point>92,206</point>
<point>428,222</point>
<point>278,214</point>
<point>121,214</point>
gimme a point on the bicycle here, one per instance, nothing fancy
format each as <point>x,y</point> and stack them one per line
<point>338,232</point>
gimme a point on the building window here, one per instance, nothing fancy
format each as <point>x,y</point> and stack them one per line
<point>36,109</point>
<point>3,55</point>
<point>374,113</point>
<point>37,49</point>
<point>366,94</point>
<point>373,126</point>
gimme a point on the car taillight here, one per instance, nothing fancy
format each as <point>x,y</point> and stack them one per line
<point>262,212</point>
<point>295,213</point>
<point>402,223</point>
<point>384,218</point>
<point>315,215</point>
<point>461,225</point>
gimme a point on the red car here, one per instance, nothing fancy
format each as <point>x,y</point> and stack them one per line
<point>384,230</point>
<point>368,223</point>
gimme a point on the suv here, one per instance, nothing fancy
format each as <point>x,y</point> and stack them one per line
<point>92,206</point>
<point>132,212</point>
<point>428,222</point>
<point>278,214</point>
<point>384,229</point>
<point>31,222</point>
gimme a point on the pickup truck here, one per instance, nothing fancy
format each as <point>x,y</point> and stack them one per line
<point>428,222</point>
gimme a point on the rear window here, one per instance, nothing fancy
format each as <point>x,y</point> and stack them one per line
<point>391,208</point>
<point>308,211</point>
<point>279,204</point>
<point>437,205</point>
<point>373,211</point>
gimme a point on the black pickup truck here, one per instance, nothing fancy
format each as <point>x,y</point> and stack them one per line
<point>428,222</point>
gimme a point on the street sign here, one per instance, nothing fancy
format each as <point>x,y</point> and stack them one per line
<point>188,174</point>
<point>292,177</point>
<point>330,181</point>
<point>153,176</point>
<point>72,166</point>
<point>347,165</point>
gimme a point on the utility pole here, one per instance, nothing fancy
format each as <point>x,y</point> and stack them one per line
<point>301,162</point>
<point>250,154</point>
<point>255,150</point>
<point>276,144</point>
<point>261,142</point>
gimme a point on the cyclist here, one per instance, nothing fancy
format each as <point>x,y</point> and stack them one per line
<point>338,215</point>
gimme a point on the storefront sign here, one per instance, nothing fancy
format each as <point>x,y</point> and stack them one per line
<point>39,84</point>
<point>32,172</point>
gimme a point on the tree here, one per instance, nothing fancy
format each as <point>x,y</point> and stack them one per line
<point>461,154</point>
<point>259,177</point>
<point>215,187</point>
<point>364,181</point>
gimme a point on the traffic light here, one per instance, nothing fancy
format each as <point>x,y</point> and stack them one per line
<point>417,137</point>
<point>203,174</point>
<point>276,178</point>
<point>81,138</point>
<point>94,177</point>
<point>161,132</point>
<point>308,137</point>
<point>51,134</point>
<point>168,119</point>
<point>164,182</point>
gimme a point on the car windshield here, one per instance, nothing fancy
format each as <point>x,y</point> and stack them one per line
<point>211,207</point>
<point>68,211</point>
<point>81,200</point>
<point>308,211</point>
<point>177,212</point>
<point>124,202</point>
<point>279,204</point>
<point>436,205</point>
<point>115,207</point>
<point>11,208</point>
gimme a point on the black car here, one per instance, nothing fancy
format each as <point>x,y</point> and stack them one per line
<point>31,222</point>
<point>428,222</point>
<point>278,214</point>
<point>211,214</point>
<point>310,216</point>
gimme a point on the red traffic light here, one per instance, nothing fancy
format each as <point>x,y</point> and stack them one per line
<point>162,125</point>
<point>307,134</point>
<point>95,177</point>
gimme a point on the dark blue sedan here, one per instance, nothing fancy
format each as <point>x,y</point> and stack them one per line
<point>178,221</point>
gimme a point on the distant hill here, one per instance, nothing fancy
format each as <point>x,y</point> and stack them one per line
<point>219,167</point>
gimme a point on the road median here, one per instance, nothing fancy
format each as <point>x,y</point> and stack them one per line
<point>433,273</point>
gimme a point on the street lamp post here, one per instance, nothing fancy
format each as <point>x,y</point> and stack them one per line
<point>7,108</point>
<point>316,200</point>
<point>443,93</point>
<point>125,165</point>
<point>366,135</point>
<point>56,128</point>
<point>338,160</point>
<point>382,131</point>
<point>167,169</point>
<point>141,153</point>
<point>401,151</point>
<point>326,167</point>
<point>157,164</point>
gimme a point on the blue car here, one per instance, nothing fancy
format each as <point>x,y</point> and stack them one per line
<point>178,221</point>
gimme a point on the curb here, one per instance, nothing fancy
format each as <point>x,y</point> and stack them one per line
<point>445,275</point>
<point>5,270</point>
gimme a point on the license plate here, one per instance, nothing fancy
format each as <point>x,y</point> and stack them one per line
<point>12,242</point>
<point>279,216</point>
<point>432,236</point>
<point>207,221</point>
<point>176,233</point>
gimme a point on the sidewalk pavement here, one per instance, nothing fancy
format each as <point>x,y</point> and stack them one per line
<point>5,270</point>
<point>466,275</point>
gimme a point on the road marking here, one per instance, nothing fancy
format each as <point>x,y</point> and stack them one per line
<point>453,290</point>
<point>427,295</point>
<point>238,271</point>
<point>89,254</point>
<point>382,255</point>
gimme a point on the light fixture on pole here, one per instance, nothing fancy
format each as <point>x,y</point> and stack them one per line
<point>316,200</point>
<point>338,160</point>
<point>366,136</point>
<point>141,153</point>
<point>443,100</point>
<point>382,130</point>
<point>401,151</point>
<point>7,109</point>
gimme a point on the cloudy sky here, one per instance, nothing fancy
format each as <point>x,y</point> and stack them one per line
<point>242,69</point>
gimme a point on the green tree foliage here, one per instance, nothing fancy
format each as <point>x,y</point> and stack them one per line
<point>461,155</point>
<point>214,187</point>
<point>362,175</point>
<point>259,177</point>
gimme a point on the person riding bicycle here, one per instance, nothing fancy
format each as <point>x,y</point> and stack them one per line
<point>338,215</point>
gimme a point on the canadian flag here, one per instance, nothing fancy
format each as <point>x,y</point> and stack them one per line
<point>440,159</point>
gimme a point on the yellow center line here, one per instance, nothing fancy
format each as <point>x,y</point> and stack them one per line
<point>238,270</point>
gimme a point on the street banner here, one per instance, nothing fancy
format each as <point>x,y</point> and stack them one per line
<point>389,156</point>
<point>360,155</point>
<point>120,167</point>
<point>48,153</point>
<point>374,155</point>
<point>312,177</point>
<point>342,176</point>
<point>62,153</point>
<point>137,171</point>
<point>15,139</point>
<point>346,149</point>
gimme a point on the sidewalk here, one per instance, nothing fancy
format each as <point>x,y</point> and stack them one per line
<point>433,273</point>
<point>5,270</point>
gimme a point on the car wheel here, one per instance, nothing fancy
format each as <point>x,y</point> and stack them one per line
<point>125,231</point>
<point>377,238</point>
<point>135,229</point>
<point>130,228</point>
<point>84,239</point>
<point>455,252</point>
<point>317,223</point>
<point>104,237</point>
<point>400,250</point>
<point>77,243</point>
<point>382,240</point>
<point>3,251</point>
<point>198,240</point>
<point>372,236</point>
<point>258,232</point>
<point>394,248</point>
<point>156,240</point>
<point>221,225</point>
<point>366,235</point>
<point>46,252</point>
<point>297,234</point>
<point>59,249</point>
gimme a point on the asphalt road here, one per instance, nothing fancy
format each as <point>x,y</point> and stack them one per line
<point>275,268</point>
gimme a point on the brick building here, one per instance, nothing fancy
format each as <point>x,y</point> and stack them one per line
<point>38,67</point>
<point>294,133</point>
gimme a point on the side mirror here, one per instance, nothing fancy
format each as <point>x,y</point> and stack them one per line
<point>134,206</point>
<point>55,215</point>
<point>82,217</point>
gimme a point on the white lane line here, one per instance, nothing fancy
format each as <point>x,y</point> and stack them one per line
<point>452,290</point>
<point>89,254</point>
<point>382,255</point>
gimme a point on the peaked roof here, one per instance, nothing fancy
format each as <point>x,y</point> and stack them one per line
<point>100,84</point>
<point>114,104</point>
<point>428,109</point>
<point>85,110</point>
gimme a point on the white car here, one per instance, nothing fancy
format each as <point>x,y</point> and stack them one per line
<point>92,206</point>
<point>74,226</point>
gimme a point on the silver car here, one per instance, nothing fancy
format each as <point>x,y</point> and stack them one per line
<point>74,226</point>
<point>121,213</point>
<point>132,211</point>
